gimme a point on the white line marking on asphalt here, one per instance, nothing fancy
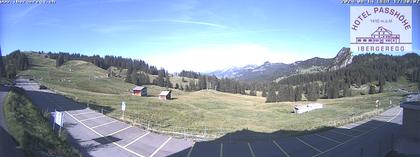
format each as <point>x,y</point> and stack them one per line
<point>357,130</point>
<point>92,118</point>
<point>359,135</point>
<point>191,149</point>
<point>341,133</point>
<point>105,124</point>
<point>395,116</point>
<point>308,145</point>
<point>278,146</point>
<point>128,150</point>
<point>221,149</point>
<point>89,112</point>
<point>119,131</point>
<point>138,138</point>
<point>327,138</point>
<point>250,149</point>
<point>160,147</point>
<point>364,126</point>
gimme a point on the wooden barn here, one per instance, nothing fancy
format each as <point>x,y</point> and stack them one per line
<point>165,95</point>
<point>139,91</point>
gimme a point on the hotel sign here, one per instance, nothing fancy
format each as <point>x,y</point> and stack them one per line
<point>380,28</point>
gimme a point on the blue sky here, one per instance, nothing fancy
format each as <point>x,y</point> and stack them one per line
<point>184,34</point>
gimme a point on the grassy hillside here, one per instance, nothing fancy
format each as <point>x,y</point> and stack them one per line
<point>31,129</point>
<point>210,110</point>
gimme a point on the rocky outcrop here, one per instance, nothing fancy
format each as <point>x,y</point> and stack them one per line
<point>343,58</point>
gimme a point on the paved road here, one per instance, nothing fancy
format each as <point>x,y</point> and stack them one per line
<point>7,144</point>
<point>374,137</point>
<point>99,135</point>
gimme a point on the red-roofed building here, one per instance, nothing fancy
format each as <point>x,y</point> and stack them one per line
<point>139,91</point>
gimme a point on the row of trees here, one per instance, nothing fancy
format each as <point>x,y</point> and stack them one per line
<point>365,69</point>
<point>212,82</point>
<point>13,63</point>
<point>2,68</point>
<point>137,70</point>
<point>314,90</point>
<point>281,93</point>
<point>189,74</point>
<point>105,62</point>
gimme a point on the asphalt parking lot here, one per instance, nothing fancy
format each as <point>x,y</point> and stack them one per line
<point>99,135</point>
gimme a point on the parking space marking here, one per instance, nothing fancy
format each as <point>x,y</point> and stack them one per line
<point>104,124</point>
<point>189,152</point>
<point>358,130</point>
<point>161,146</point>
<point>92,118</point>
<point>395,116</point>
<point>341,133</point>
<point>138,138</point>
<point>89,112</point>
<point>99,134</point>
<point>282,150</point>
<point>252,151</point>
<point>221,149</point>
<point>128,150</point>
<point>119,130</point>
<point>308,145</point>
<point>327,138</point>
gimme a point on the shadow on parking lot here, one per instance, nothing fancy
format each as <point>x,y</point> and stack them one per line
<point>51,101</point>
<point>374,138</point>
<point>106,140</point>
<point>92,146</point>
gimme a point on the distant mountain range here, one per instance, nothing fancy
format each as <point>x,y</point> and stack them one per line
<point>276,71</point>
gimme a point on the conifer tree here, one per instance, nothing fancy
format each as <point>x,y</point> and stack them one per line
<point>381,84</point>
<point>372,89</point>
<point>264,93</point>
<point>347,91</point>
<point>59,61</point>
<point>271,95</point>
<point>298,93</point>
<point>2,68</point>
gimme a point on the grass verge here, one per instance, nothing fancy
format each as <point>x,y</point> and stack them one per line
<point>31,129</point>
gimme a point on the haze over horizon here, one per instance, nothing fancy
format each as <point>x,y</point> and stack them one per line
<point>184,34</point>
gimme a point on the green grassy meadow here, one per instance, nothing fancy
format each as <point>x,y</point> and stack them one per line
<point>208,110</point>
<point>31,129</point>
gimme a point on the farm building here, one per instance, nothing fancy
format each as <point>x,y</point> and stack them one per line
<point>139,91</point>
<point>306,108</point>
<point>165,95</point>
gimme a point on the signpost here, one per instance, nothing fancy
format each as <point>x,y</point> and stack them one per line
<point>123,109</point>
<point>59,120</point>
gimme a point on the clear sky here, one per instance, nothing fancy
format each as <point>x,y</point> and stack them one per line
<point>184,34</point>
